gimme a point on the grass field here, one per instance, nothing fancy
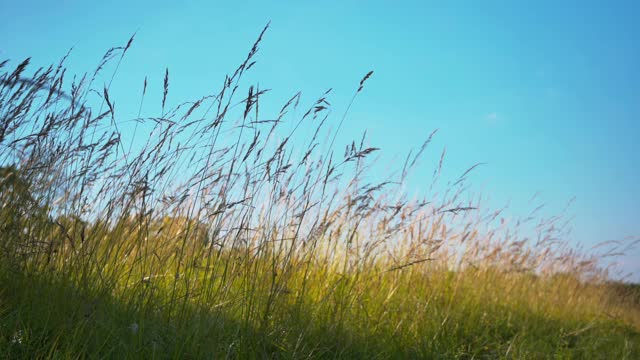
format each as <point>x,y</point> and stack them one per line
<point>226,234</point>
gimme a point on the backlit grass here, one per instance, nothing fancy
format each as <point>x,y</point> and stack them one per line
<point>210,230</point>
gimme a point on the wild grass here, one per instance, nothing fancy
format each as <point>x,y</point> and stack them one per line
<point>212,230</point>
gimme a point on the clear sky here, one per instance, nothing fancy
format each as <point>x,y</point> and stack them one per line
<point>547,92</point>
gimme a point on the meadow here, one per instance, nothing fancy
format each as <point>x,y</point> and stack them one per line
<point>228,233</point>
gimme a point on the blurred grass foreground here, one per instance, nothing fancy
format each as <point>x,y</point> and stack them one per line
<point>225,234</point>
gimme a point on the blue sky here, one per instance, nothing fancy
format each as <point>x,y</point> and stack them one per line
<point>548,93</point>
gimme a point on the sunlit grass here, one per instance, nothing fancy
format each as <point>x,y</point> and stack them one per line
<point>222,234</point>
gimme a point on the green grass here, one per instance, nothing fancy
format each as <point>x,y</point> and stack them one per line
<point>231,235</point>
<point>443,315</point>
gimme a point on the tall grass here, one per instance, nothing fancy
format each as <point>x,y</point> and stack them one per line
<point>212,230</point>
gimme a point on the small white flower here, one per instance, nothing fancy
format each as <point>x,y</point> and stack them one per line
<point>134,328</point>
<point>17,337</point>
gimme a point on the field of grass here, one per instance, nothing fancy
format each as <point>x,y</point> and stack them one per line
<point>225,233</point>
